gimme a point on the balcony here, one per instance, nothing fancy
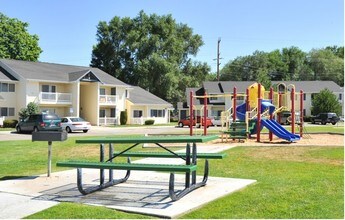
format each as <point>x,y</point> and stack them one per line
<point>54,98</point>
<point>107,120</point>
<point>107,99</point>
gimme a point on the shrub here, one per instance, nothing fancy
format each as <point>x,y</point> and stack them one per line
<point>149,122</point>
<point>173,119</point>
<point>10,123</point>
<point>31,108</point>
<point>123,117</point>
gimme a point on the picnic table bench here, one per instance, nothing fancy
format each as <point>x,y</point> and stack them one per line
<point>190,157</point>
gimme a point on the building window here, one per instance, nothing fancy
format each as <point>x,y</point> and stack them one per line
<point>127,94</point>
<point>113,112</point>
<point>137,113</point>
<point>48,88</point>
<point>10,111</point>
<point>158,113</point>
<point>113,91</point>
<point>4,87</point>
<point>102,91</point>
<point>102,113</point>
<point>3,112</point>
<point>304,96</point>
<point>7,87</point>
<point>340,96</point>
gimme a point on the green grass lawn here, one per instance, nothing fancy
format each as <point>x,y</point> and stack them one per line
<point>292,182</point>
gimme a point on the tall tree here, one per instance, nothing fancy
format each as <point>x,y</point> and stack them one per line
<point>327,66</point>
<point>295,59</point>
<point>15,41</point>
<point>150,51</point>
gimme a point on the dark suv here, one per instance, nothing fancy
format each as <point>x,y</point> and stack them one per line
<point>325,118</point>
<point>39,122</point>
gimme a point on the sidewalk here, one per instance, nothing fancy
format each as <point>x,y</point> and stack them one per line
<point>144,192</point>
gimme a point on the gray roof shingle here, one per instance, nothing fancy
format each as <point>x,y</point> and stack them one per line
<point>139,96</point>
<point>306,86</point>
<point>57,72</point>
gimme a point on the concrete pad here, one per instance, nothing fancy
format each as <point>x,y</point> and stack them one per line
<point>14,206</point>
<point>144,193</point>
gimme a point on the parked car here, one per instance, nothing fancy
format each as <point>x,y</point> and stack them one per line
<point>285,117</point>
<point>71,124</point>
<point>217,121</point>
<point>39,122</point>
<point>325,118</point>
<point>186,122</point>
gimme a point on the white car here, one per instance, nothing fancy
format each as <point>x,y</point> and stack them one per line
<point>71,124</point>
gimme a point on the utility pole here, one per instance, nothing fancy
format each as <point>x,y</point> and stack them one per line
<point>218,58</point>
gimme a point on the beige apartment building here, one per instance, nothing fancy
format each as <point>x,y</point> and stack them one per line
<point>74,91</point>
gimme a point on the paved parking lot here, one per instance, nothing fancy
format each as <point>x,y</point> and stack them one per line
<point>99,131</point>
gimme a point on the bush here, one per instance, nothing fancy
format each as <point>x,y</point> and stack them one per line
<point>31,108</point>
<point>173,119</point>
<point>149,122</point>
<point>10,123</point>
<point>123,117</point>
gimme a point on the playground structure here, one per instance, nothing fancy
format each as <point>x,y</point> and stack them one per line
<point>259,109</point>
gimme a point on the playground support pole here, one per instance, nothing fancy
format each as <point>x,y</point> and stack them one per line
<point>258,122</point>
<point>301,115</point>
<point>234,105</point>
<point>247,100</point>
<point>205,114</point>
<point>293,110</point>
<point>279,105</point>
<point>191,114</point>
<point>270,134</point>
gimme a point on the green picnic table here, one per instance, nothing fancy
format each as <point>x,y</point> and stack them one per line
<point>189,157</point>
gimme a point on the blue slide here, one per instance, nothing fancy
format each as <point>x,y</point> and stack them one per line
<point>279,130</point>
<point>241,109</point>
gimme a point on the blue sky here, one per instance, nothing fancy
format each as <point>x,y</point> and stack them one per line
<point>67,28</point>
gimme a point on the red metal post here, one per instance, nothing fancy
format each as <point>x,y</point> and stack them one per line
<point>293,110</point>
<point>270,134</point>
<point>191,114</point>
<point>205,114</point>
<point>301,115</point>
<point>258,122</point>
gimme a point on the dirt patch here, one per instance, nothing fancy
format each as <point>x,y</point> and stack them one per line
<point>306,140</point>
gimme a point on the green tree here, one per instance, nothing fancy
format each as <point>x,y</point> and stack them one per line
<point>15,41</point>
<point>295,59</point>
<point>31,108</point>
<point>152,52</point>
<point>325,101</point>
<point>327,66</point>
<point>338,51</point>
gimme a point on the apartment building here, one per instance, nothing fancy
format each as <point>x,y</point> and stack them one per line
<point>66,90</point>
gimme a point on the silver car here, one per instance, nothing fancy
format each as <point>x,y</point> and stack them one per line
<point>71,124</point>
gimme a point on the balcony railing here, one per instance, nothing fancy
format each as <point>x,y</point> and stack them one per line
<point>107,121</point>
<point>107,99</point>
<point>55,98</point>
